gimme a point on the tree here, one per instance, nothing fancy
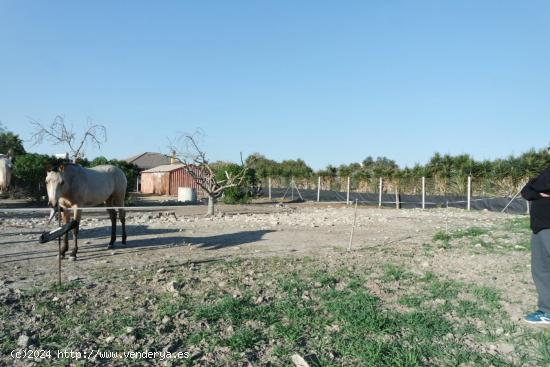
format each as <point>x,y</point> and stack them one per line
<point>29,171</point>
<point>59,133</point>
<point>10,143</point>
<point>238,194</point>
<point>130,170</point>
<point>197,166</point>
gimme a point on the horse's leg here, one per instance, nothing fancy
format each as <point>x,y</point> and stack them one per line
<point>112,214</point>
<point>66,217</point>
<point>77,215</point>
<point>122,216</point>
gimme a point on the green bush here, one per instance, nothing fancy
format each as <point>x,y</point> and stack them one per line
<point>29,172</point>
<point>130,170</point>
<point>11,143</point>
<point>238,194</point>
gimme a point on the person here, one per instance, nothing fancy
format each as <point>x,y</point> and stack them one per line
<point>537,192</point>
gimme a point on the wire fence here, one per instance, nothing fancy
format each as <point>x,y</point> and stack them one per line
<point>389,195</point>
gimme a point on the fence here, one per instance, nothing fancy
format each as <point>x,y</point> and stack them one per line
<point>389,194</point>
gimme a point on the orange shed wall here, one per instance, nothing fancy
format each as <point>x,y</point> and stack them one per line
<point>155,183</point>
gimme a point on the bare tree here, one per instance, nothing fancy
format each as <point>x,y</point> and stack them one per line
<point>187,149</point>
<point>59,133</point>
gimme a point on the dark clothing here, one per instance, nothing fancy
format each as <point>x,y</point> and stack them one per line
<point>540,206</point>
<point>540,267</point>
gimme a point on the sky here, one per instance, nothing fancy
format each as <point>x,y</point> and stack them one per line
<point>330,82</point>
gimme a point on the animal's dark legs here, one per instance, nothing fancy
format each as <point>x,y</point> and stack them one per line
<point>112,214</point>
<point>65,217</point>
<point>75,234</point>
<point>122,216</point>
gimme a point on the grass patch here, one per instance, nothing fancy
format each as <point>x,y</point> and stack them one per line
<point>328,314</point>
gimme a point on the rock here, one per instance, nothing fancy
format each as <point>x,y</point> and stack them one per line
<point>23,341</point>
<point>129,330</point>
<point>506,348</point>
<point>109,339</point>
<point>299,361</point>
<point>174,286</point>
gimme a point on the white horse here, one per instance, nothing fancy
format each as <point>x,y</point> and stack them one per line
<point>73,186</point>
<point>5,172</point>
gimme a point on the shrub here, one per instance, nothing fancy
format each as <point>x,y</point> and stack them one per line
<point>29,172</point>
<point>11,143</point>
<point>238,194</point>
<point>130,170</point>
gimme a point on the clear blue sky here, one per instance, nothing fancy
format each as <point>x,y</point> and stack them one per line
<point>326,81</point>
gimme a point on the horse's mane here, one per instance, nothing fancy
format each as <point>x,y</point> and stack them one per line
<point>57,165</point>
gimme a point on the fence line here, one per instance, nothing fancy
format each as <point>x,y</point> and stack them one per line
<point>343,193</point>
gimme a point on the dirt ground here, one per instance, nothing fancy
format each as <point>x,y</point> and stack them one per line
<point>497,258</point>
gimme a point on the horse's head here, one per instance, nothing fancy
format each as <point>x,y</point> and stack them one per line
<point>55,184</point>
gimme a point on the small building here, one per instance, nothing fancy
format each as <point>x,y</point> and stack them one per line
<point>148,160</point>
<point>165,179</point>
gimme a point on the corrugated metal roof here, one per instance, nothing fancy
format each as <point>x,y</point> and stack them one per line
<point>165,168</point>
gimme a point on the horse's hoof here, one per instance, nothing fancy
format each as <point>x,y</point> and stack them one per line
<point>72,257</point>
<point>110,246</point>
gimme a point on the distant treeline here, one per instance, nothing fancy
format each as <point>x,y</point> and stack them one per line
<point>445,174</point>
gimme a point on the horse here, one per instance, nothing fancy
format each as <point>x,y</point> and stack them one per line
<point>72,186</point>
<point>5,172</point>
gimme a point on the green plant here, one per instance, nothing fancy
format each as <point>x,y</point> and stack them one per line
<point>29,171</point>
<point>242,193</point>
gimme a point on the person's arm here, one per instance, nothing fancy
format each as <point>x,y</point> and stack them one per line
<point>542,182</point>
<point>529,193</point>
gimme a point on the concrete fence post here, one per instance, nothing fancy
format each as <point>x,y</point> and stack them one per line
<point>318,188</point>
<point>380,193</point>
<point>347,198</point>
<point>423,192</point>
<point>469,192</point>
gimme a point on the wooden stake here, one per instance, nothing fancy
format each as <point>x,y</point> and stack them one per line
<point>59,248</point>
<point>353,226</point>
<point>269,187</point>
<point>397,201</point>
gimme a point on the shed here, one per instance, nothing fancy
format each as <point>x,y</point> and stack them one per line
<point>148,160</point>
<point>165,179</point>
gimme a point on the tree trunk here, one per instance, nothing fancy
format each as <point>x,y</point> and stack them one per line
<point>210,205</point>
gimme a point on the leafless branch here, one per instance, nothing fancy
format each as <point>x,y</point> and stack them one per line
<point>199,168</point>
<point>59,133</point>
